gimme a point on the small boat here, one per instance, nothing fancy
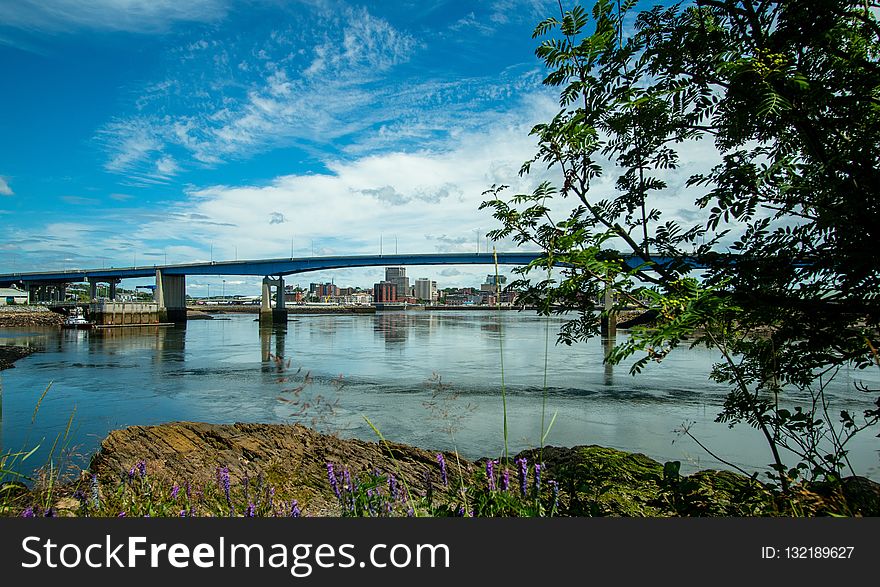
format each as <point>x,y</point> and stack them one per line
<point>77,320</point>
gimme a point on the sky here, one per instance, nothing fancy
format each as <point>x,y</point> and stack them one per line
<point>141,132</point>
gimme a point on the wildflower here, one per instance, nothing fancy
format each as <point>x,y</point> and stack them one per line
<point>251,511</point>
<point>555,487</point>
<point>505,479</point>
<point>50,513</point>
<point>392,486</point>
<point>294,510</point>
<point>28,512</point>
<point>523,466</point>
<point>131,473</point>
<point>271,498</point>
<point>175,490</point>
<point>182,513</point>
<point>121,515</point>
<point>490,474</point>
<point>223,481</point>
<point>538,468</point>
<point>442,462</point>
<point>334,483</point>
<point>142,468</point>
<point>93,485</point>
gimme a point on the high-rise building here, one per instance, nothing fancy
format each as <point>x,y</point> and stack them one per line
<point>385,291</point>
<point>397,276</point>
<point>425,290</point>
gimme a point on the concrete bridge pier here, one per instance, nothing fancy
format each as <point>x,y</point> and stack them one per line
<point>278,313</point>
<point>113,283</point>
<point>93,289</point>
<point>170,294</point>
<point>608,321</point>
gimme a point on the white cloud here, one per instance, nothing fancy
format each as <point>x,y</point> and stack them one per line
<point>274,94</point>
<point>5,190</point>
<point>140,16</point>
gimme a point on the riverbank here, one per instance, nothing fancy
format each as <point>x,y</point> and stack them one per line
<point>25,316</point>
<point>9,354</point>
<point>255,467</point>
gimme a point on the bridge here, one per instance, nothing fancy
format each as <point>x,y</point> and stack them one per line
<point>170,289</point>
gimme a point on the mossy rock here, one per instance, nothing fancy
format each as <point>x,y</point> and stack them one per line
<point>600,481</point>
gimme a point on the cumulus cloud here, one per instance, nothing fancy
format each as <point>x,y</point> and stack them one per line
<point>5,190</point>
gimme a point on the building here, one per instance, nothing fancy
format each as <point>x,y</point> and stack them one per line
<point>10,296</point>
<point>425,290</point>
<point>493,283</point>
<point>384,291</point>
<point>397,276</point>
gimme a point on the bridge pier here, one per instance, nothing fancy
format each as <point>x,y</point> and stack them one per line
<point>93,289</point>
<point>268,314</point>
<point>170,294</point>
<point>608,321</point>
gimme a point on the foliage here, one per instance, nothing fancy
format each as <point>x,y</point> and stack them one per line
<point>788,94</point>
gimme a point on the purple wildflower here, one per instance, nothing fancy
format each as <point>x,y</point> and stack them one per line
<point>121,515</point>
<point>142,468</point>
<point>93,485</point>
<point>294,510</point>
<point>505,479</point>
<point>28,512</point>
<point>334,483</point>
<point>442,462</point>
<point>175,489</point>
<point>251,511</point>
<point>555,487</point>
<point>50,513</point>
<point>131,473</point>
<point>223,481</point>
<point>182,513</point>
<point>538,468</point>
<point>490,474</point>
<point>523,466</point>
<point>392,486</point>
<point>271,498</point>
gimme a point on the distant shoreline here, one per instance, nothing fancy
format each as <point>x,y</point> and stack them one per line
<point>307,309</point>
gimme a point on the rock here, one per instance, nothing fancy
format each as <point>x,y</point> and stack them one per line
<point>292,458</point>
<point>9,354</point>
<point>27,316</point>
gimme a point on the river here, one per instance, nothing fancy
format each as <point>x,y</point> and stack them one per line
<point>430,379</point>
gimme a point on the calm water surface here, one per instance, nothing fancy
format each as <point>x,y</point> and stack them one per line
<point>431,379</point>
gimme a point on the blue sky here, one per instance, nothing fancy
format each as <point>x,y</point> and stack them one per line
<point>135,131</point>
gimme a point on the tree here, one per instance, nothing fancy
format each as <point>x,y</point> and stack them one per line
<point>789,95</point>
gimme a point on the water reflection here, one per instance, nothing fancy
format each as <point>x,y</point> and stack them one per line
<point>392,326</point>
<point>607,346</point>
<point>344,367</point>
<point>268,334</point>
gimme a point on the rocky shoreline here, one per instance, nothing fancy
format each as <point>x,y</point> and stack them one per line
<point>592,480</point>
<point>26,316</point>
<point>9,354</point>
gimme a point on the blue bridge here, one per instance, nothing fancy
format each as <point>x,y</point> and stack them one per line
<point>170,289</point>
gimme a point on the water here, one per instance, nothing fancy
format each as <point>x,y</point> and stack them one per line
<point>431,379</point>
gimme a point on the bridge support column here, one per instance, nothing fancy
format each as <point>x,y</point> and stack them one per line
<point>93,289</point>
<point>170,294</point>
<point>278,313</point>
<point>112,294</point>
<point>608,322</point>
